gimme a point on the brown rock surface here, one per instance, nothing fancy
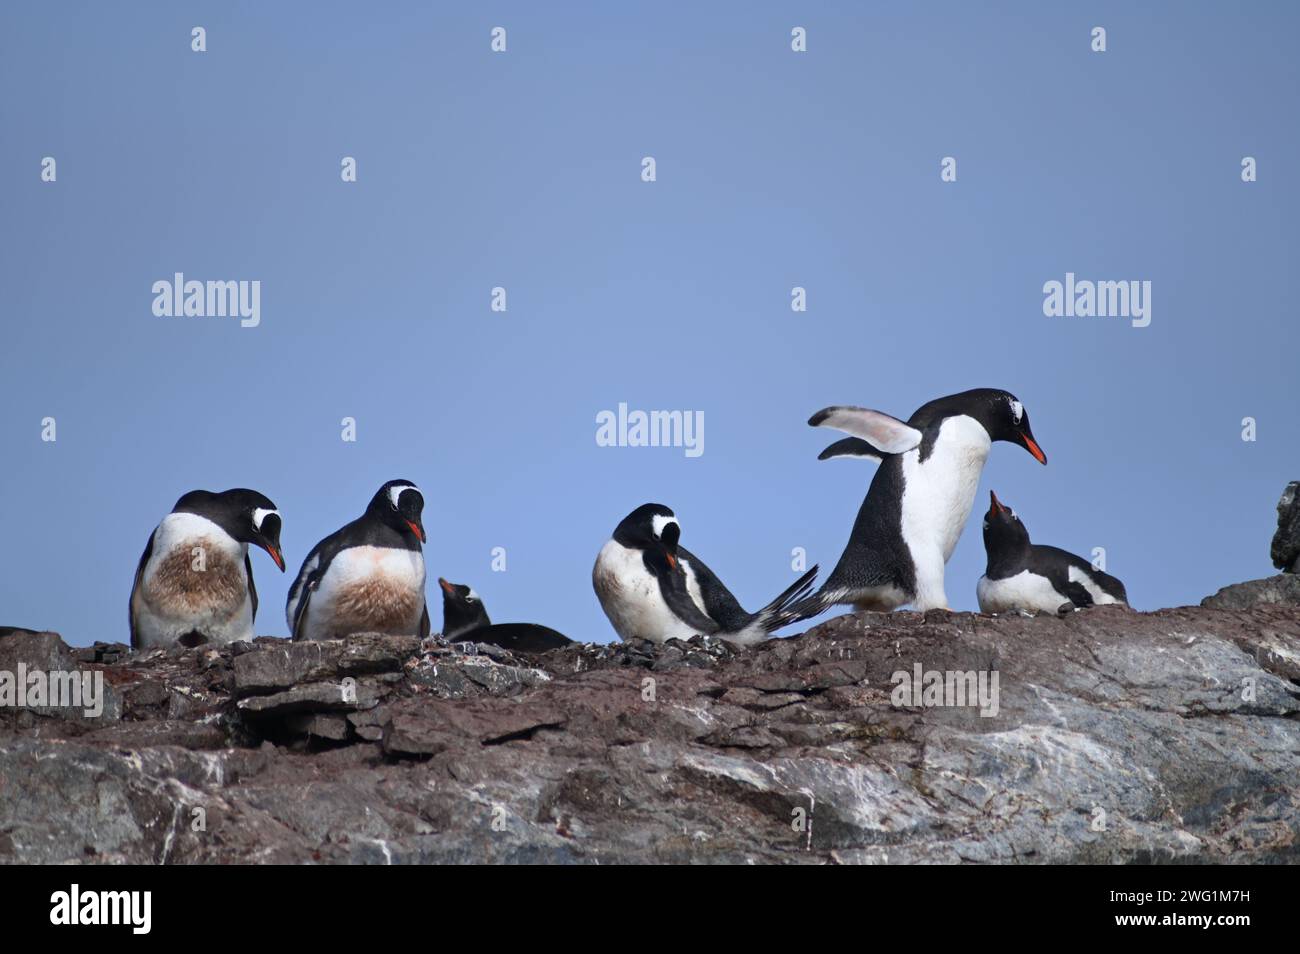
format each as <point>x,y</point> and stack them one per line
<point>1118,737</point>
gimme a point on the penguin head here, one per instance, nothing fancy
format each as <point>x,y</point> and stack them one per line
<point>1003,530</point>
<point>1006,419</point>
<point>400,504</point>
<point>462,609</point>
<point>651,527</point>
<point>249,517</point>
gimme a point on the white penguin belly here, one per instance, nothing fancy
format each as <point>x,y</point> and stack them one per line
<point>629,595</point>
<point>1025,591</point>
<point>938,494</point>
<point>194,581</point>
<point>368,590</point>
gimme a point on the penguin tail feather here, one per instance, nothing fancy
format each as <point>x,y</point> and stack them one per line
<point>777,613</point>
<point>814,605</point>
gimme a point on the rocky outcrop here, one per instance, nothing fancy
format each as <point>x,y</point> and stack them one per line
<point>1285,550</point>
<point>1112,736</point>
<point>1283,588</point>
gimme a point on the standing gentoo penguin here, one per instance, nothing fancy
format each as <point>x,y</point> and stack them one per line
<point>368,576</point>
<point>194,583</point>
<point>465,618</point>
<point>650,588</point>
<point>1036,579</point>
<point>920,497</point>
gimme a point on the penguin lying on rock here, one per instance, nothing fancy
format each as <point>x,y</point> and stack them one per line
<point>1032,578</point>
<point>465,619</point>
<point>652,588</point>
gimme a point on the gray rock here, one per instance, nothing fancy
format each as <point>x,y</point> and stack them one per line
<point>312,697</point>
<point>278,667</point>
<point>1283,588</point>
<point>26,654</point>
<point>1117,737</point>
<point>1285,549</point>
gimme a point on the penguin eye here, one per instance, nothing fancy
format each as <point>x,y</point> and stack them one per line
<point>986,524</point>
<point>1017,412</point>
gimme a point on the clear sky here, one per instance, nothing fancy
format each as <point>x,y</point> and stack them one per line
<point>523,170</point>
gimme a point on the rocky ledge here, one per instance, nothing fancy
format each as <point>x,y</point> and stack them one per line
<point>1108,736</point>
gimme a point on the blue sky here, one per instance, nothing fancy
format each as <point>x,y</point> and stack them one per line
<point>522,170</point>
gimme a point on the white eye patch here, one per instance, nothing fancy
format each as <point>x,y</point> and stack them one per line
<point>396,491</point>
<point>1017,411</point>
<point>260,514</point>
<point>472,597</point>
<point>659,522</point>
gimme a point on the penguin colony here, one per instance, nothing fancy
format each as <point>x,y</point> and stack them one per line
<point>194,582</point>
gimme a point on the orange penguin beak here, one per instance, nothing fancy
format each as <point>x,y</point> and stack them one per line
<point>416,529</point>
<point>446,587</point>
<point>275,555</point>
<point>1031,445</point>
<point>995,505</point>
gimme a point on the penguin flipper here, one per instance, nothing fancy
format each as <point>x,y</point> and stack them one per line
<point>1078,594</point>
<point>252,590</point>
<point>672,587</point>
<point>424,622</point>
<point>852,447</point>
<point>135,589</point>
<point>304,600</point>
<point>878,429</point>
<point>309,576</point>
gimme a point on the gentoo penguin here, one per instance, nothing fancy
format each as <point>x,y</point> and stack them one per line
<point>651,588</point>
<point>464,617</point>
<point>194,582</point>
<point>368,576</point>
<point>920,497</point>
<point>1033,578</point>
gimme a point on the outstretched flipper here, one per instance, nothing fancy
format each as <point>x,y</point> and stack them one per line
<point>852,447</point>
<point>879,430</point>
